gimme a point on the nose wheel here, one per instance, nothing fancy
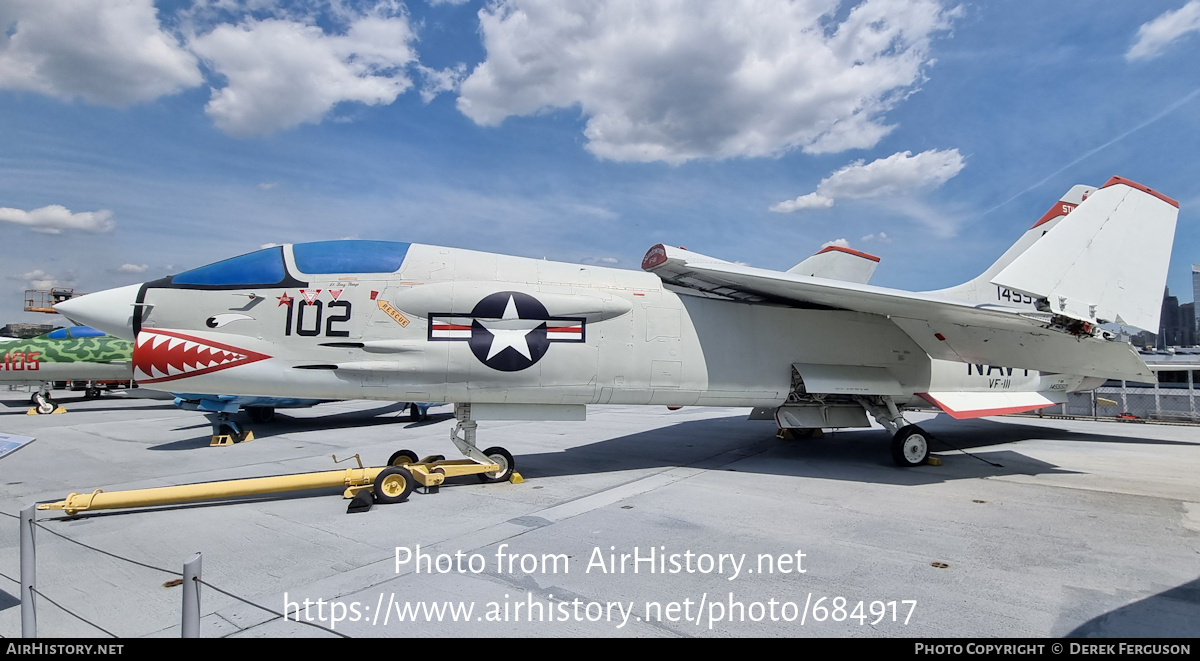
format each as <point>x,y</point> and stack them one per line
<point>43,403</point>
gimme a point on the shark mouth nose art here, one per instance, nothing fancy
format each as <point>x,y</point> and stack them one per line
<point>162,355</point>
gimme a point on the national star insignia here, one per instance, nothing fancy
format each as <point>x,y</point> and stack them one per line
<point>510,330</point>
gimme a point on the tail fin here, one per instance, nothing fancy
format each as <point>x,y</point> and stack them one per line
<point>1107,262</point>
<point>981,289</point>
<point>838,263</point>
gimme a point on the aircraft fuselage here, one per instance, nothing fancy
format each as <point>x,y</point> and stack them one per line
<point>462,326</point>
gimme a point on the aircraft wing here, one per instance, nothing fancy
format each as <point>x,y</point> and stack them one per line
<point>945,328</point>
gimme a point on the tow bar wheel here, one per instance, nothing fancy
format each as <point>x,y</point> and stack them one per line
<point>910,446</point>
<point>393,485</point>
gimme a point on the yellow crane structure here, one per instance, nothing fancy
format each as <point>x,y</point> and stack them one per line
<point>43,300</point>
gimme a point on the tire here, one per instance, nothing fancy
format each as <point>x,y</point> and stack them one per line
<point>44,404</point>
<point>393,485</point>
<point>92,393</point>
<point>227,430</point>
<point>402,457</point>
<point>507,464</point>
<point>432,458</point>
<point>910,446</point>
<point>261,414</point>
<point>414,412</point>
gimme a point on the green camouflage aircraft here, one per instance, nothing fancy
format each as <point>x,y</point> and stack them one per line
<point>65,354</point>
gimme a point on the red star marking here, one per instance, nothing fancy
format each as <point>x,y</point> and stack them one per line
<point>284,299</point>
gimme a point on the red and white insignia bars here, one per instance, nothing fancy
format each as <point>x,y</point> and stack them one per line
<point>445,327</point>
<point>563,333</point>
<point>162,355</point>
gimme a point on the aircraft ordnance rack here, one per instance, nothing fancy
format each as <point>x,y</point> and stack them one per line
<point>384,484</point>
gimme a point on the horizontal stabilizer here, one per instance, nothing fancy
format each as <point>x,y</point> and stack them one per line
<point>964,405</point>
<point>1104,262</point>
<point>838,263</point>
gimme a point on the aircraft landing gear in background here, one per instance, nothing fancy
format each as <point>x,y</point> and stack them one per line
<point>261,414</point>
<point>43,404</point>
<point>226,431</point>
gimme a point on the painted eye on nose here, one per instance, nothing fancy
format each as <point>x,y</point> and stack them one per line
<point>219,320</point>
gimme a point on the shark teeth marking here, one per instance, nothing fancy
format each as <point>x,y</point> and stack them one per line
<point>165,355</point>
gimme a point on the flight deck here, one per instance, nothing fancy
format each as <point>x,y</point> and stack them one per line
<point>640,522</point>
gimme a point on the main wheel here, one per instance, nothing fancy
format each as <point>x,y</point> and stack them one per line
<point>261,413</point>
<point>92,393</point>
<point>499,456</point>
<point>910,446</point>
<point>402,457</point>
<point>393,485</point>
<point>44,404</point>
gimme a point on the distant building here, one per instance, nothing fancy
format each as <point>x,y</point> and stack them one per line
<point>1143,340</point>
<point>1187,324</point>
<point>26,330</point>
<point>1196,296</point>
<point>1168,322</point>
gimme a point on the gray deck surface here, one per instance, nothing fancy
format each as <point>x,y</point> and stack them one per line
<point>1085,528</point>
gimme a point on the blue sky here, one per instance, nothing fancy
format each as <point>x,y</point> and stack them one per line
<point>139,139</point>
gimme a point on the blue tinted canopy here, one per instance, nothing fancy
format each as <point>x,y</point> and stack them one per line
<point>264,267</point>
<point>350,256</point>
<point>74,331</point>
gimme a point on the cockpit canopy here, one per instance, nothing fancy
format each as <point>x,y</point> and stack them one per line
<point>73,332</point>
<point>268,267</point>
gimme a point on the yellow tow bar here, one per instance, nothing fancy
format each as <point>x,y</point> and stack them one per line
<point>389,484</point>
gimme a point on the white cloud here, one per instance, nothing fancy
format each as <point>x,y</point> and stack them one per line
<point>39,279</point>
<point>436,81</point>
<point>897,174</point>
<point>881,237</point>
<point>809,201</point>
<point>841,243</point>
<point>106,52</point>
<point>133,268</point>
<point>600,261</point>
<point>1154,36</point>
<point>685,79</point>
<point>281,73</point>
<point>55,218</point>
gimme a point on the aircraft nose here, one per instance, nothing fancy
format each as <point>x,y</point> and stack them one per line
<point>110,310</point>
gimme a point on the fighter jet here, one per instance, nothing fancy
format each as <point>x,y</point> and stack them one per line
<point>64,354</point>
<point>511,338</point>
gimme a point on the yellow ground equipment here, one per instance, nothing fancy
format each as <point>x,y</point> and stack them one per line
<point>43,300</point>
<point>388,484</point>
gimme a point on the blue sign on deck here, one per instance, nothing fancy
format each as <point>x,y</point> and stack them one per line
<point>10,444</point>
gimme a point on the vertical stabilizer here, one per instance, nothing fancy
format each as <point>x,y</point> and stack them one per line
<point>1105,262</point>
<point>981,289</point>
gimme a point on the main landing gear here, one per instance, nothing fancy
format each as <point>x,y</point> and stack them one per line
<point>910,443</point>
